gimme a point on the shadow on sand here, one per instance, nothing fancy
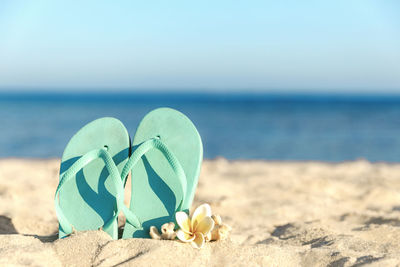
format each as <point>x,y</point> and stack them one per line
<point>7,228</point>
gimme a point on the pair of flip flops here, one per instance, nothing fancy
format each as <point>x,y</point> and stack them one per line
<point>164,160</point>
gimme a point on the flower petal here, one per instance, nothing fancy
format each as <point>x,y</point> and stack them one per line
<point>184,237</point>
<point>201,212</point>
<point>205,226</point>
<point>183,221</point>
<point>198,241</point>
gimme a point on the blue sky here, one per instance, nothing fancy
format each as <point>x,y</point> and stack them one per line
<point>340,45</point>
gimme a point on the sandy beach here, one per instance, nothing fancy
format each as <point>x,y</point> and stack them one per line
<point>282,214</point>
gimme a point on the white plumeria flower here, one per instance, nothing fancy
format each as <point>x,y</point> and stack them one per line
<point>195,229</point>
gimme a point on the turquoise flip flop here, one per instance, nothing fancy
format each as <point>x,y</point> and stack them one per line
<point>90,192</point>
<point>165,165</point>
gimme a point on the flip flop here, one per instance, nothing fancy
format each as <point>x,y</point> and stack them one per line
<point>90,192</point>
<point>165,165</point>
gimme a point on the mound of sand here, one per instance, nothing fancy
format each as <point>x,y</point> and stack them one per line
<point>282,214</point>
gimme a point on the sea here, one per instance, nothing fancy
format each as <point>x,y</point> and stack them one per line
<point>236,126</point>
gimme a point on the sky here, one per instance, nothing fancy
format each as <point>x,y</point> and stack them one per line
<point>340,45</point>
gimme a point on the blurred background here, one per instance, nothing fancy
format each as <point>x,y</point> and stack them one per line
<point>287,80</point>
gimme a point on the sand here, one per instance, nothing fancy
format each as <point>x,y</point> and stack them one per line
<point>282,214</point>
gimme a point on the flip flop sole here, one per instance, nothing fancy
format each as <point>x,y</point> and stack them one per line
<point>155,187</point>
<point>88,199</point>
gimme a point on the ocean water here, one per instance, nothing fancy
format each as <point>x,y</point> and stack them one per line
<point>235,126</point>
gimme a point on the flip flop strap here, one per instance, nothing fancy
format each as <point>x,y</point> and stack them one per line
<point>116,178</point>
<point>156,143</point>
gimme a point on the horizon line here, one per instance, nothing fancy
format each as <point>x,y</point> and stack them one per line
<point>201,91</point>
<point>197,97</point>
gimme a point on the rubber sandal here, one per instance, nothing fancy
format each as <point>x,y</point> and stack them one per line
<point>165,166</point>
<point>90,192</point>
